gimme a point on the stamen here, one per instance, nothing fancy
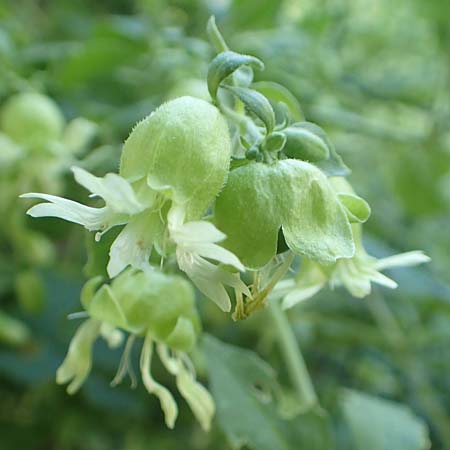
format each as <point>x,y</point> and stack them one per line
<point>125,366</point>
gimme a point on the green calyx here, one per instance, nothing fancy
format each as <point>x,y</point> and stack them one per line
<point>142,303</point>
<point>32,120</point>
<point>182,149</point>
<point>295,196</point>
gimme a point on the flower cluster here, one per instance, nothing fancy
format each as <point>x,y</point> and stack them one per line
<point>214,189</point>
<point>156,306</point>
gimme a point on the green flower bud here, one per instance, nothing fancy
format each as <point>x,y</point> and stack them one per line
<point>183,149</point>
<point>32,120</point>
<point>295,196</point>
<point>141,302</point>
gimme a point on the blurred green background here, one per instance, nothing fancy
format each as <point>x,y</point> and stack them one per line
<point>374,75</point>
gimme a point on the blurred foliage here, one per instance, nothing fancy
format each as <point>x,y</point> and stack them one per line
<point>376,76</point>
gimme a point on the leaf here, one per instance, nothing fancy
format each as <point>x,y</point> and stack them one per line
<point>238,378</point>
<point>277,93</point>
<point>378,424</point>
<point>257,104</point>
<point>215,37</point>
<point>224,64</point>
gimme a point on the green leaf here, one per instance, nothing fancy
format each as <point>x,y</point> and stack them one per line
<point>378,424</point>
<point>238,380</point>
<point>215,37</point>
<point>224,64</point>
<point>257,104</point>
<point>358,210</point>
<point>277,93</point>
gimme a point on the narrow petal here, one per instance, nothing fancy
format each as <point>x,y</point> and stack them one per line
<point>383,280</point>
<point>218,253</point>
<point>198,232</point>
<point>214,291</point>
<point>115,190</point>
<point>168,404</point>
<point>78,362</point>
<point>403,260</point>
<point>90,218</point>
<point>197,396</point>
<point>299,295</point>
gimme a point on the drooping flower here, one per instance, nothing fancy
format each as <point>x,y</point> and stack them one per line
<point>159,308</point>
<point>294,196</point>
<point>196,243</point>
<point>356,274</point>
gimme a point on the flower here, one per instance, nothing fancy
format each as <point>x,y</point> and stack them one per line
<point>356,274</point>
<point>160,308</point>
<point>196,242</point>
<point>294,196</point>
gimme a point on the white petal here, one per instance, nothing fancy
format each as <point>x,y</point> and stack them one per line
<point>115,190</point>
<point>220,254</point>
<point>214,291</point>
<point>403,260</point>
<point>383,280</point>
<point>299,295</point>
<point>197,232</point>
<point>132,246</point>
<point>91,218</point>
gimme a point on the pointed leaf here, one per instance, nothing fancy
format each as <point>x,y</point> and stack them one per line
<point>224,64</point>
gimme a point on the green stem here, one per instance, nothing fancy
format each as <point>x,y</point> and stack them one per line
<point>293,358</point>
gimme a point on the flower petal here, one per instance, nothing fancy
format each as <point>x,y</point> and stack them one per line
<point>134,244</point>
<point>90,218</point>
<point>115,190</point>
<point>200,231</point>
<point>220,254</point>
<point>78,362</point>
<point>403,260</point>
<point>298,295</point>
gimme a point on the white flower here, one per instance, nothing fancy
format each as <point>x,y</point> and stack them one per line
<point>196,243</point>
<point>356,274</point>
<point>120,202</point>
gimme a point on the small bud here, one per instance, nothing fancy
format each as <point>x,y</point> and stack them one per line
<point>302,143</point>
